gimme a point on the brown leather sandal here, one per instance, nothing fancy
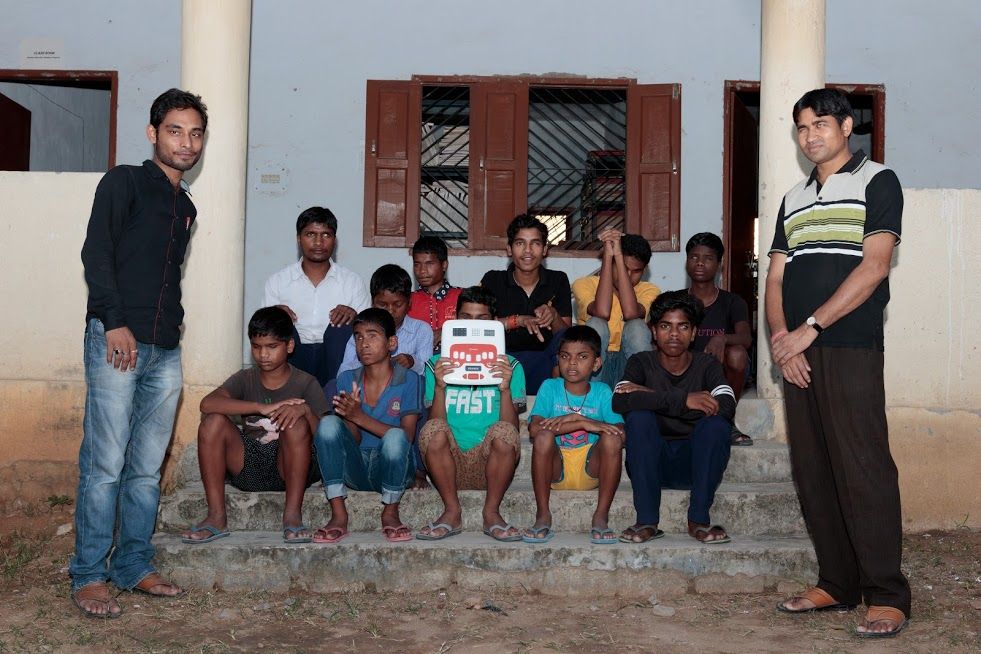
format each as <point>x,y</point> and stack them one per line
<point>154,579</point>
<point>97,592</point>
<point>821,600</point>
<point>882,614</point>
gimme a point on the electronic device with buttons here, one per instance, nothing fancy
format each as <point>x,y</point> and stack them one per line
<point>474,344</point>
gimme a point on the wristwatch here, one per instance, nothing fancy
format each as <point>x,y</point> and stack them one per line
<point>812,322</point>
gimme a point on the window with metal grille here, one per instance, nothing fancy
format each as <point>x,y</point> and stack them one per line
<point>459,157</point>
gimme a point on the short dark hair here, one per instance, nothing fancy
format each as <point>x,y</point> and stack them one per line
<point>431,245</point>
<point>582,334</point>
<point>526,221</point>
<point>673,300</point>
<point>321,215</point>
<point>825,102</point>
<point>633,245</point>
<point>390,277</point>
<point>478,295</point>
<point>271,321</point>
<point>377,317</point>
<point>176,99</point>
<point>709,240</point>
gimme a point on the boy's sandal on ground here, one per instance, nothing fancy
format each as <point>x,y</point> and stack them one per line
<point>215,532</point>
<point>433,526</point>
<point>538,534</point>
<point>97,593</point>
<point>631,534</point>
<point>821,600</point>
<point>701,533</point>
<point>603,536</point>
<point>397,533</point>
<point>740,439</point>
<point>294,539</point>
<point>494,530</point>
<point>877,614</point>
<point>330,535</point>
<point>155,580</point>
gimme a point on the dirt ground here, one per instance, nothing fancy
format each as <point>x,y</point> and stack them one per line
<point>37,616</point>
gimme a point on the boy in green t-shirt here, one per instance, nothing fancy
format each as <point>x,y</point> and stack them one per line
<point>470,440</point>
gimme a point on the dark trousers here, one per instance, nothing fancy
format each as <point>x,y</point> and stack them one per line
<point>654,462</point>
<point>321,359</point>
<point>846,479</point>
<point>538,364</point>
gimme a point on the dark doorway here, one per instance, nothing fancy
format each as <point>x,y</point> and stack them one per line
<point>16,120</point>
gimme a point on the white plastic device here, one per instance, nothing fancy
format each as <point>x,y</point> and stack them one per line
<point>474,344</point>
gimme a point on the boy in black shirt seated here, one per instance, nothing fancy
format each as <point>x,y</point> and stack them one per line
<point>724,331</point>
<point>678,409</point>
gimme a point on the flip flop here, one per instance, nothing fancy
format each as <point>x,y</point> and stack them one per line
<point>883,614</point>
<point>95,592</point>
<point>701,532</point>
<point>391,533</point>
<point>740,439</point>
<point>299,540</point>
<point>596,536</point>
<point>433,526</point>
<point>821,600</point>
<point>153,580</point>
<point>547,534</point>
<point>624,538</point>
<point>326,538</point>
<point>214,531</point>
<point>496,529</point>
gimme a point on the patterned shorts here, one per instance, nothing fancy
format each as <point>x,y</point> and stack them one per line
<point>260,473</point>
<point>471,465</point>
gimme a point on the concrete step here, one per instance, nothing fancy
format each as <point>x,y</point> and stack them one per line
<point>744,509</point>
<point>667,567</point>
<point>764,461</point>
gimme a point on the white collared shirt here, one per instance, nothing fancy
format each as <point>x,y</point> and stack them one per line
<point>313,304</point>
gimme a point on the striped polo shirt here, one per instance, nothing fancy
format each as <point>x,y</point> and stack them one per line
<point>821,229</point>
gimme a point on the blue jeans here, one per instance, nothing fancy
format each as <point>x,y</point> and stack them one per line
<point>636,337</point>
<point>129,420</point>
<point>697,463</point>
<point>387,469</point>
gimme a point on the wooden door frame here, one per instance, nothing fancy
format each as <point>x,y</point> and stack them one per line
<point>878,93</point>
<point>110,76</point>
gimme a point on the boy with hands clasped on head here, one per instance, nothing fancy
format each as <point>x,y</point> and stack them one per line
<point>578,439</point>
<point>366,445</point>
<point>280,407</point>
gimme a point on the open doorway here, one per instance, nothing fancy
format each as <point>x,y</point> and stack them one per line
<point>740,175</point>
<point>58,120</point>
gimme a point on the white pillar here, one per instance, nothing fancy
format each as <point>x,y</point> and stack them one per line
<point>215,64</point>
<point>215,41</point>
<point>791,63</point>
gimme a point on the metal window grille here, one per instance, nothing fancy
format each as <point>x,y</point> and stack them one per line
<point>576,144</point>
<point>445,194</point>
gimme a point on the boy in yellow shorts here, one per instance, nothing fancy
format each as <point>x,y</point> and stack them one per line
<point>577,438</point>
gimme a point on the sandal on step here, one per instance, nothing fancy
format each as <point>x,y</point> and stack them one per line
<point>701,533</point>
<point>630,533</point>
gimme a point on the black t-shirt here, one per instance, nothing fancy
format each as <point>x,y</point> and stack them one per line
<point>553,286</point>
<point>720,318</point>
<point>247,385</point>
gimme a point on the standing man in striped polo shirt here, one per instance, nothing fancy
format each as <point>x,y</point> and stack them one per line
<point>825,294</point>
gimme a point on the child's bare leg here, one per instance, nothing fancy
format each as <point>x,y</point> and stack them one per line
<point>605,464</point>
<point>220,452</point>
<point>736,360</point>
<point>500,467</point>
<point>293,461</point>
<point>546,467</point>
<point>442,470</point>
<point>390,515</point>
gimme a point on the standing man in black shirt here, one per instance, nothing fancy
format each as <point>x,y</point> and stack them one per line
<point>533,302</point>
<point>134,247</point>
<point>825,294</point>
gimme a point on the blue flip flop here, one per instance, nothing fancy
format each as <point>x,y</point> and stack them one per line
<point>296,530</point>
<point>493,530</point>
<point>214,531</point>
<point>596,537</point>
<point>548,535</point>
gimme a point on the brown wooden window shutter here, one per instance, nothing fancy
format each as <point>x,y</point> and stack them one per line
<point>498,160</point>
<point>654,163</point>
<point>391,163</point>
